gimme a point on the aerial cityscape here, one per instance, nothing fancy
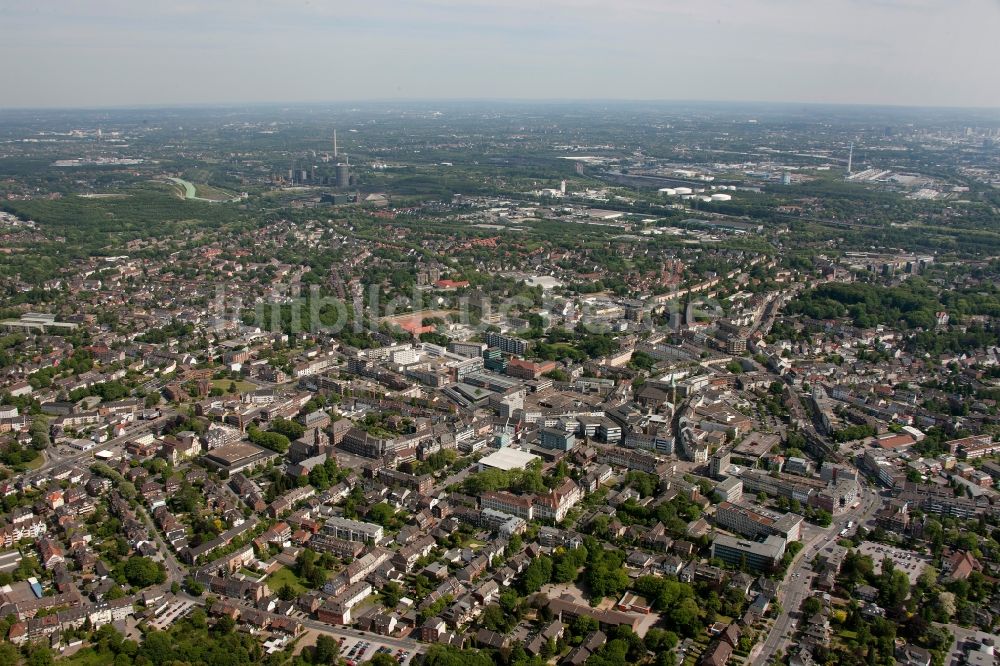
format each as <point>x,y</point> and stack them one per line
<point>445,380</point>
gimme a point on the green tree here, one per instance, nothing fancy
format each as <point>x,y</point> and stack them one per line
<point>583,625</point>
<point>142,572</point>
<point>446,655</point>
<point>659,640</point>
<point>495,619</point>
<point>40,656</point>
<point>8,655</point>
<point>382,659</point>
<point>537,574</point>
<point>319,478</point>
<point>391,593</point>
<point>811,606</point>
<point>327,650</point>
<point>225,624</point>
<point>290,429</point>
<point>381,513</point>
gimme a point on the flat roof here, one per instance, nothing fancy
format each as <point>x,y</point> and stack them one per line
<point>508,459</point>
<point>235,452</point>
<point>756,444</point>
<point>895,441</point>
<point>37,323</point>
<point>728,483</point>
<point>545,281</point>
<point>773,546</point>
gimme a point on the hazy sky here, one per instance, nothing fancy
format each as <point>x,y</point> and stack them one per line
<point>128,52</point>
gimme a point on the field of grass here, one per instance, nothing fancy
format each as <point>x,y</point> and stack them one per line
<point>285,576</point>
<point>200,191</point>
<point>212,193</point>
<point>563,347</point>
<point>241,385</point>
<point>85,657</point>
<point>418,316</point>
<point>34,464</point>
<point>693,655</point>
<point>146,211</point>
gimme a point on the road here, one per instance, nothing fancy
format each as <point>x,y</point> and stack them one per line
<point>962,635</point>
<point>408,644</point>
<point>176,572</point>
<point>797,584</point>
<point>457,477</point>
<point>84,458</point>
<point>191,191</point>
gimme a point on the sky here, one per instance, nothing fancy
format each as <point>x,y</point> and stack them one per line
<point>106,53</point>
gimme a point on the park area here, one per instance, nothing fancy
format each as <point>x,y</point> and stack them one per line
<point>282,577</point>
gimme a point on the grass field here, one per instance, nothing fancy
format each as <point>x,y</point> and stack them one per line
<point>284,576</point>
<point>85,657</point>
<point>418,316</point>
<point>241,385</point>
<point>693,655</point>
<point>212,193</point>
<point>563,347</point>
<point>200,191</point>
<point>36,463</point>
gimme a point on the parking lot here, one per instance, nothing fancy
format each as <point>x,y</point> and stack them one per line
<point>356,651</point>
<point>904,560</point>
<point>170,613</point>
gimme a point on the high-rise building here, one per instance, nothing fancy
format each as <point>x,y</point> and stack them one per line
<point>719,464</point>
<point>506,343</point>
<point>493,359</point>
<point>752,555</point>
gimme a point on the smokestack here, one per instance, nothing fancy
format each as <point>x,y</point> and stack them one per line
<point>335,143</point>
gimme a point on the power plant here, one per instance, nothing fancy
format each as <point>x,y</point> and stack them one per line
<point>343,175</point>
<point>339,177</point>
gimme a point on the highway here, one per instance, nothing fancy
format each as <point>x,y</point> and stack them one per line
<point>797,584</point>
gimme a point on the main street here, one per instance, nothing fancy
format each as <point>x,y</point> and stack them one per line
<point>176,572</point>
<point>408,644</point>
<point>797,584</point>
<point>53,457</point>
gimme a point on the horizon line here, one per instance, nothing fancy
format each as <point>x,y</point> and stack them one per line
<point>495,100</point>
